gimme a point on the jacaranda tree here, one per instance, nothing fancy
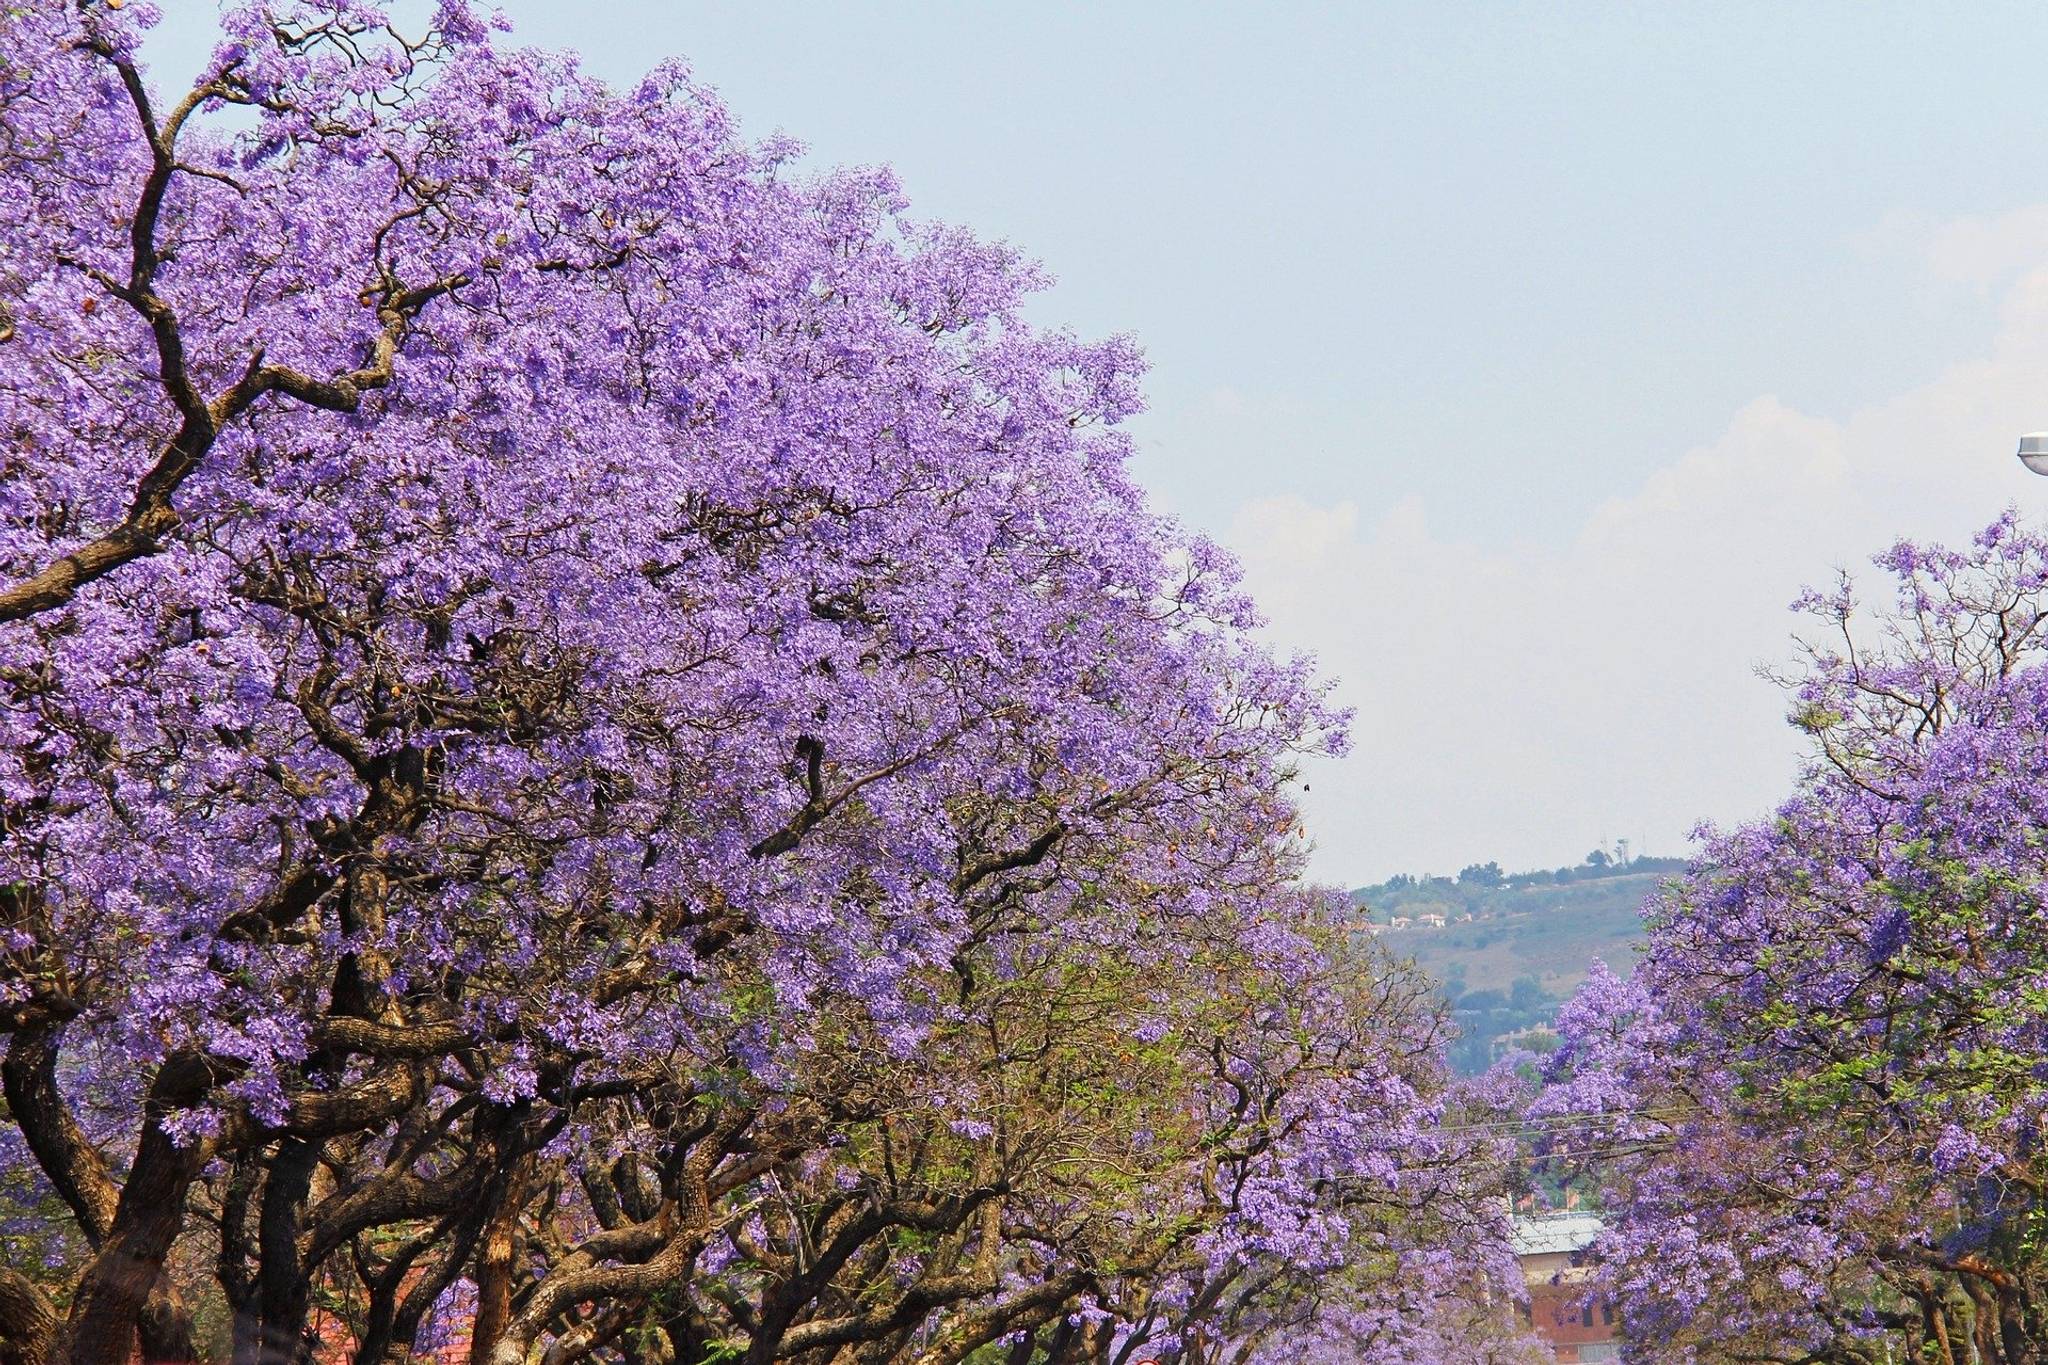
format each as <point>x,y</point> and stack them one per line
<point>1821,1096</point>
<point>599,757</point>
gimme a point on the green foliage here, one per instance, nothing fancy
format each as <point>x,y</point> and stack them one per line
<point>1527,944</point>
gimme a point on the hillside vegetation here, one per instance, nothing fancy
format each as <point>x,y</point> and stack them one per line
<point>1514,946</point>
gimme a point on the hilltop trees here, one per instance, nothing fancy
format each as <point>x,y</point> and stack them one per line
<point>1481,874</point>
<point>1822,1093</point>
<point>601,760</point>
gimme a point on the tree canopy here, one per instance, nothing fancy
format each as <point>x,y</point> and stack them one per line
<point>1818,1102</point>
<point>601,760</point>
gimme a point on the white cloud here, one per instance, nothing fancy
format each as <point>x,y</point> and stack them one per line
<point>1520,701</point>
<point>1987,250</point>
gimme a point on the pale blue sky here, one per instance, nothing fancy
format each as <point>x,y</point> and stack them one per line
<point>1489,268</point>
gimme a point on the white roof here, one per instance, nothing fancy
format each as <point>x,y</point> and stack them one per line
<point>1550,1233</point>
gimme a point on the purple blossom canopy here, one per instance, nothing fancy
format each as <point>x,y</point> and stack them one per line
<point>599,757</point>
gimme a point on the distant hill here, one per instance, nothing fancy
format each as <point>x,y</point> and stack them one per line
<point>1514,946</point>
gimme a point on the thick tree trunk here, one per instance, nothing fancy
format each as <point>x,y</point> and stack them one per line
<point>165,1327</point>
<point>497,1264</point>
<point>282,1285</point>
<point>233,1264</point>
<point>79,1174</point>
<point>120,1280</point>
<point>2021,1346</point>
<point>28,1320</point>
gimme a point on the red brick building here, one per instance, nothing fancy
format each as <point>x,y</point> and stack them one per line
<point>1552,1248</point>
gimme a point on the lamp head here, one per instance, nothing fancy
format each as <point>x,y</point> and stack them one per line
<point>2034,451</point>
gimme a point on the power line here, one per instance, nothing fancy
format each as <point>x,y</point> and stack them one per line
<point>1549,1122</point>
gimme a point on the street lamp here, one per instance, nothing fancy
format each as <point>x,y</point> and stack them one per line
<point>2034,451</point>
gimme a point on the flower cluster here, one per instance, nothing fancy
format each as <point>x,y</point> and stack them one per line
<point>595,739</point>
<point>1820,1097</point>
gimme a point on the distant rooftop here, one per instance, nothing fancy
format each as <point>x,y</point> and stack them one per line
<point>1551,1233</point>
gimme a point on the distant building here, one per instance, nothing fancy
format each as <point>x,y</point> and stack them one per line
<point>1430,919</point>
<point>1539,1038</point>
<point>1553,1251</point>
<point>1399,922</point>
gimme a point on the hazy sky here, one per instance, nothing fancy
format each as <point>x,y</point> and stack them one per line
<point>1531,357</point>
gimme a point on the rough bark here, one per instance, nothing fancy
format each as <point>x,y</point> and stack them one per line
<point>28,1320</point>
<point>120,1280</point>
<point>496,1264</point>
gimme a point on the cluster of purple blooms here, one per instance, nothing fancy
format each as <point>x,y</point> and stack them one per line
<point>1819,1100</point>
<point>599,759</point>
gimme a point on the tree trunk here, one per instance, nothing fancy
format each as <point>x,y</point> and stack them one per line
<point>28,1078</point>
<point>2021,1346</point>
<point>28,1320</point>
<point>282,1284</point>
<point>497,1264</point>
<point>165,1327</point>
<point>1936,1314</point>
<point>121,1279</point>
